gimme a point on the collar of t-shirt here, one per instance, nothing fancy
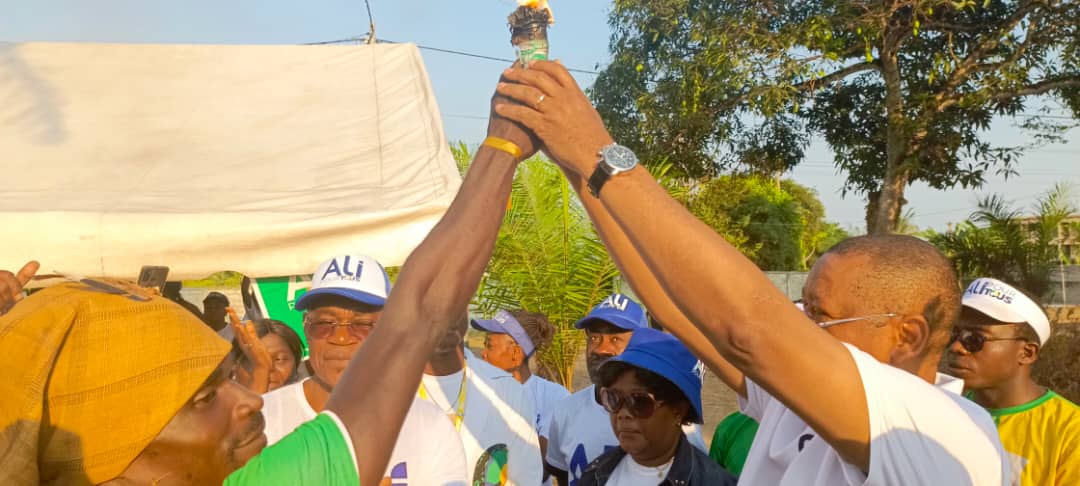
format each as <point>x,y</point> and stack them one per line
<point>949,383</point>
<point>444,390</point>
<point>628,472</point>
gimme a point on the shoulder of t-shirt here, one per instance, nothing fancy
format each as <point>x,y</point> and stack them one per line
<point>571,404</point>
<point>553,388</point>
<point>286,394</point>
<point>904,383</point>
<point>1067,414</point>
<point>893,375</point>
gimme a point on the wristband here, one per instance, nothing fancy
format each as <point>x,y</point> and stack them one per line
<point>503,145</point>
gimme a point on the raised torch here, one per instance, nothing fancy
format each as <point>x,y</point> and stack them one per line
<point>528,30</point>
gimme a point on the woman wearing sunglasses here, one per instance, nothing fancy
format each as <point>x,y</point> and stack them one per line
<point>650,391</point>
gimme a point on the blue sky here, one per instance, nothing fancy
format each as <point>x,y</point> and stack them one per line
<point>462,84</point>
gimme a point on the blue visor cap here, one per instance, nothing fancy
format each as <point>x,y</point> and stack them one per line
<point>663,354</point>
<point>504,323</point>
<point>618,310</point>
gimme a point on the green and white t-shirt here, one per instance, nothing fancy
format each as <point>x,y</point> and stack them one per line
<point>318,453</point>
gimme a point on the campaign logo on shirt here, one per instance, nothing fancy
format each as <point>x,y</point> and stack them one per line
<point>491,467</point>
<point>579,462</point>
<point>399,475</point>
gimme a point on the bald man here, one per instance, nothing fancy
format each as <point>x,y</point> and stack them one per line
<point>847,392</point>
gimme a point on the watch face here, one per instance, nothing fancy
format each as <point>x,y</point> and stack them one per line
<point>619,157</point>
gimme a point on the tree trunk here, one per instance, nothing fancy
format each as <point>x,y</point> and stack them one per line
<point>891,196</point>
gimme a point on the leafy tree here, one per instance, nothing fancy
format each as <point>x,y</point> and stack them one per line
<point>547,259</point>
<point>902,91</point>
<point>998,241</point>
<point>780,226</point>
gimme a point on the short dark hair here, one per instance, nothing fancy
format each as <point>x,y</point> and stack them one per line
<point>537,326</point>
<point>278,328</point>
<point>660,387</point>
<point>909,270</point>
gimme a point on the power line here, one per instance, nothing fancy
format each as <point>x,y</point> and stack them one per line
<point>358,39</point>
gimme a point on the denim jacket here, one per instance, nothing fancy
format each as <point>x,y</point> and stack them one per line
<point>691,467</point>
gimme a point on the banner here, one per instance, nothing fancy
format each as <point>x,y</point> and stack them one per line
<point>275,298</point>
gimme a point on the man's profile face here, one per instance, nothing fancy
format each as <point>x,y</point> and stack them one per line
<point>833,290</point>
<point>999,359</point>
<point>603,340</point>
<point>501,351</point>
<point>216,432</point>
<point>335,328</point>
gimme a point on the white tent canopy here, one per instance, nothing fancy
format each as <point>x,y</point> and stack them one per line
<point>259,159</point>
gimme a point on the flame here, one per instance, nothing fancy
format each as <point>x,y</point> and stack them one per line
<point>538,4</point>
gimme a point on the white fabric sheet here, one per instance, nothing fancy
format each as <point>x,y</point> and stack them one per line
<point>259,159</point>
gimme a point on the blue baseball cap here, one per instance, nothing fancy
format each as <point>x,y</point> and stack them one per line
<point>505,323</point>
<point>618,310</point>
<point>355,277</point>
<point>663,354</point>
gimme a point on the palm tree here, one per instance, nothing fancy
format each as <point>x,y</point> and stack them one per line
<point>548,259</point>
<point>998,241</point>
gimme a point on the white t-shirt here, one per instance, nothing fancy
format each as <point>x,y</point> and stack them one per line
<point>580,431</point>
<point>544,395</point>
<point>428,450</point>
<point>629,473</point>
<point>919,435</point>
<point>497,411</point>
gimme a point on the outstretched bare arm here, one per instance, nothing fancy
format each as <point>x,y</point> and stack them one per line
<point>437,281</point>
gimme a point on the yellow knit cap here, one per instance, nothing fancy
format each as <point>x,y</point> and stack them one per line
<point>94,373</point>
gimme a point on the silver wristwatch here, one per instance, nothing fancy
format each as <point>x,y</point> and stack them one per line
<point>614,160</point>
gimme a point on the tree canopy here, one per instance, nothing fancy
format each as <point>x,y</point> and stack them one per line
<point>902,91</point>
<point>779,226</point>
<point>1000,241</point>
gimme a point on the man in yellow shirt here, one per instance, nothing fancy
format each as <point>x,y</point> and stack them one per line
<point>994,345</point>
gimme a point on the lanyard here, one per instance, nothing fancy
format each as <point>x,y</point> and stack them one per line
<point>459,415</point>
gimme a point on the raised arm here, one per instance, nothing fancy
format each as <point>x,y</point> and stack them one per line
<point>651,293</point>
<point>436,283</point>
<point>747,319</point>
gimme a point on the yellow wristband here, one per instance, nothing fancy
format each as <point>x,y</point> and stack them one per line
<point>503,145</point>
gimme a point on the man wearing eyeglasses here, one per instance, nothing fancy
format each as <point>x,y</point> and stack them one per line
<point>346,298</point>
<point>854,403</point>
<point>994,345</point>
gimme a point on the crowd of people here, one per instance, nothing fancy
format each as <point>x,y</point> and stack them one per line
<point>885,373</point>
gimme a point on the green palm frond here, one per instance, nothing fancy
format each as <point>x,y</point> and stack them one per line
<point>548,259</point>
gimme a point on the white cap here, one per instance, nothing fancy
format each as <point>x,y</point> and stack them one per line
<point>1006,304</point>
<point>355,277</point>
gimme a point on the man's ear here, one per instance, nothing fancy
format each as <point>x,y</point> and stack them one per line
<point>1029,353</point>
<point>913,339</point>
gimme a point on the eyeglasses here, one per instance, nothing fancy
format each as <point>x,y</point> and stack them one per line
<point>824,324</point>
<point>973,342</point>
<point>326,328</point>
<point>639,404</point>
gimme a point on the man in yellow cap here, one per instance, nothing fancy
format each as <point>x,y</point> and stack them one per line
<point>111,385</point>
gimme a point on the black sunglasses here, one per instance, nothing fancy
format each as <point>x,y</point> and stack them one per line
<point>639,404</point>
<point>973,341</point>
